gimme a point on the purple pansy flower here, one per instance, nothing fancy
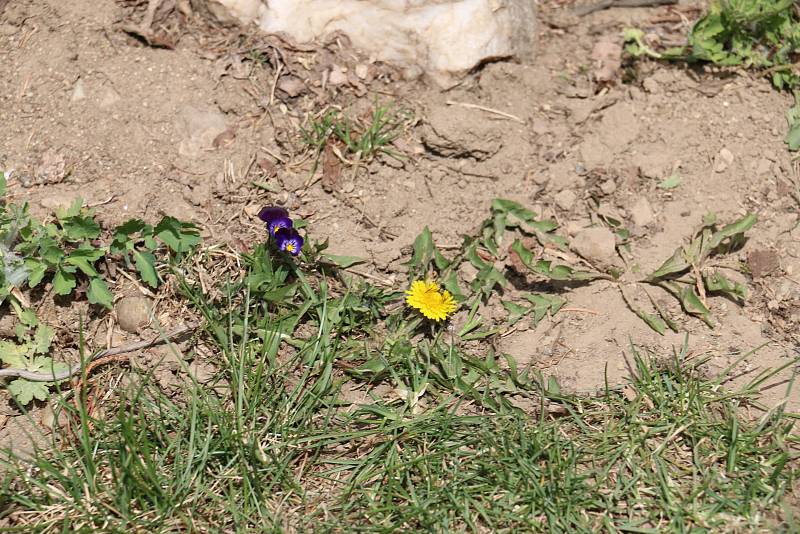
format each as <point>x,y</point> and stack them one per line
<point>288,240</point>
<point>276,218</point>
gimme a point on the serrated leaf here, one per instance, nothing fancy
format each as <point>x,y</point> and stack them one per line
<point>343,262</point>
<point>440,261</point>
<point>515,311</point>
<point>63,282</point>
<point>715,282</point>
<point>793,136</point>
<point>36,271</point>
<point>13,354</point>
<point>732,230</point>
<point>98,293</point>
<point>514,208</point>
<point>553,387</point>
<point>78,224</point>
<point>24,391</point>
<point>693,305</point>
<point>547,269</point>
<point>83,258</point>
<point>543,305</point>
<point>670,182</point>
<point>179,236</point>
<point>450,283</point>
<point>42,339</point>
<point>45,364</point>
<point>145,265</point>
<point>122,240</point>
<point>50,251</point>
<point>675,264</point>
<point>423,250</point>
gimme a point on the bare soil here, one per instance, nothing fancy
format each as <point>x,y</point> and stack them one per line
<point>88,110</point>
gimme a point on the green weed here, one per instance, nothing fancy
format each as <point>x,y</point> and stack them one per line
<point>755,34</point>
<point>361,139</point>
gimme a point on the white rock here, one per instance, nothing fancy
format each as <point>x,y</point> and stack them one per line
<point>642,212</point>
<point>362,71</point>
<point>723,160</point>
<point>446,38</point>
<point>78,92</point>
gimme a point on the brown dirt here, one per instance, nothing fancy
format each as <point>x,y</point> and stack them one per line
<point>88,110</point>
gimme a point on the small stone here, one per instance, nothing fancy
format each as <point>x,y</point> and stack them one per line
<point>573,227</point>
<point>78,92</point>
<point>723,160</point>
<point>337,76</point>
<point>764,166</point>
<point>540,178</point>
<point>292,86</point>
<point>596,244</point>
<point>133,313</point>
<point>651,86</point>
<point>654,172</point>
<point>763,262</point>
<point>566,199</point>
<point>608,187</point>
<point>362,71</point>
<point>642,212</point>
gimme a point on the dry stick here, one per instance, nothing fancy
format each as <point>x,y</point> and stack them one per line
<point>487,110</point>
<point>605,4</point>
<point>103,355</point>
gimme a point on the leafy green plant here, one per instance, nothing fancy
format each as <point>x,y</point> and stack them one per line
<point>686,275</point>
<point>69,248</point>
<point>30,353</point>
<point>137,243</point>
<point>756,34</point>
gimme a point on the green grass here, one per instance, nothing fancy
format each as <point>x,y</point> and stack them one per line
<point>361,139</point>
<point>272,446</point>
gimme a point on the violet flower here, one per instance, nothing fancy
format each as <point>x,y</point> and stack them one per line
<point>276,218</point>
<point>288,240</point>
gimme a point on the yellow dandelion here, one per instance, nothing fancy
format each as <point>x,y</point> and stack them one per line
<point>428,299</point>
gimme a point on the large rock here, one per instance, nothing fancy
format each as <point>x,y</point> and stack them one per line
<point>446,38</point>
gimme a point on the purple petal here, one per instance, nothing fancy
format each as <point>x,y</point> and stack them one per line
<point>270,213</point>
<point>278,223</point>
<point>289,240</point>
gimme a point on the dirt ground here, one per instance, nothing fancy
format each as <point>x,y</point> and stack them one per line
<point>88,110</point>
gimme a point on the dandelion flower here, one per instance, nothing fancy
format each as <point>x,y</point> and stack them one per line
<point>435,304</point>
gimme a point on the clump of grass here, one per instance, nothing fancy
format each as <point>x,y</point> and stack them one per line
<point>273,445</point>
<point>362,138</point>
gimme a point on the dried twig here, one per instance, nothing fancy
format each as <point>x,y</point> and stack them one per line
<point>104,356</point>
<point>605,4</point>
<point>487,110</point>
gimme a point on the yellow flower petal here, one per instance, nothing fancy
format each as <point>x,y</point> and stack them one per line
<point>426,297</point>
